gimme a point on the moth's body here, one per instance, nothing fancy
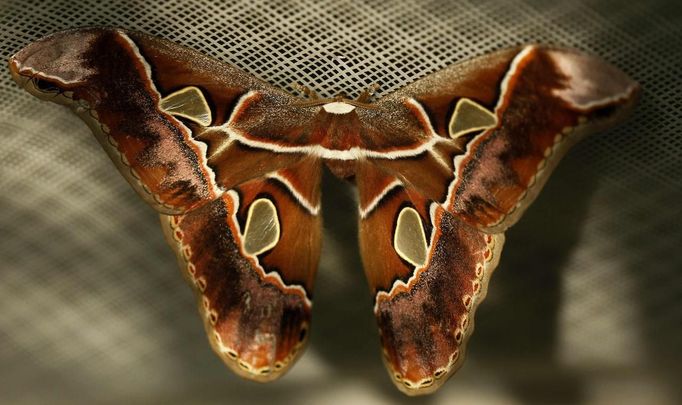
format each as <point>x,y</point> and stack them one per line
<point>337,132</point>
<point>443,167</point>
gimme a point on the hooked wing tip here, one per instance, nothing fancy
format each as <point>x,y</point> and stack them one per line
<point>61,59</point>
<point>591,82</point>
<point>14,69</point>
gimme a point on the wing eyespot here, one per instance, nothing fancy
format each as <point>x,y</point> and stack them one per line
<point>409,239</point>
<point>469,117</point>
<point>45,86</point>
<point>262,230</point>
<point>189,103</point>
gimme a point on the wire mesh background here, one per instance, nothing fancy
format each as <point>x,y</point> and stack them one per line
<point>586,305</point>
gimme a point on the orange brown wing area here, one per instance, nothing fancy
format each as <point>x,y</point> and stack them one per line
<point>256,305</point>
<point>175,67</point>
<point>234,163</point>
<point>543,99</point>
<point>297,253</point>
<point>382,197</point>
<point>430,173</point>
<point>424,311</point>
<point>549,101</point>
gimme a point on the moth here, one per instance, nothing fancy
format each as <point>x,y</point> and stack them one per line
<point>442,167</point>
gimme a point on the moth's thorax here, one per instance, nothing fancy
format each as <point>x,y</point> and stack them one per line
<point>333,129</point>
<point>339,128</point>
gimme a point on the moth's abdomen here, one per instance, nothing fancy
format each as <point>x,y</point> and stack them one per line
<point>343,169</point>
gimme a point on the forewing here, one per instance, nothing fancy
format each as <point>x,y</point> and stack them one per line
<point>503,122</point>
<point>428,272</point>
<point>252,255</point>
<point>148,101</point>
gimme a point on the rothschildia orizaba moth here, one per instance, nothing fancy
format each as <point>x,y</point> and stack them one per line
<point>442,166</point>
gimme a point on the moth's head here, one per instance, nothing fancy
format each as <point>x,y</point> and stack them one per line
<point>53,64</point>
<point>340,104</point>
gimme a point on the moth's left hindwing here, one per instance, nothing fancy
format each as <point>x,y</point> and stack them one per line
<point>244,222</point>
<point>252,255</point>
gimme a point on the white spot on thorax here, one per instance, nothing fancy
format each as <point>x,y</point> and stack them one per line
<point>337,107</point>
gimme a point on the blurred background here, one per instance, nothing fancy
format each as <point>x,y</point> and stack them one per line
<point>585,306</point>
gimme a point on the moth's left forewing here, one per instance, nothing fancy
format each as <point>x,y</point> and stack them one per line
<point>164,113</point>
<point>108,82</point>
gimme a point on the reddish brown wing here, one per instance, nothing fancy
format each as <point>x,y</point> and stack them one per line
<point>506,119</point>
<point>428,272</point>
<point>252,255</point>
<point>149,101</point>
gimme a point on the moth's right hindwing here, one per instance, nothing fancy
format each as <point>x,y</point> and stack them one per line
<point>428,272</point>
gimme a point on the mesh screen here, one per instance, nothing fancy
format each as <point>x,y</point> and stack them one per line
<point>586,305</point>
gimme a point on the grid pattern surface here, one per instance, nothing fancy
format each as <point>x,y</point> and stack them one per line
<point>586,305</point>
